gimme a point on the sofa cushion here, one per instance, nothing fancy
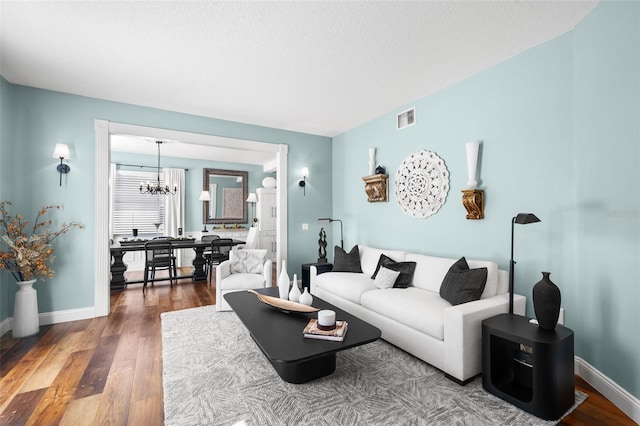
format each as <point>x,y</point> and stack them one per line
<point>242,282</point>
<point>431,270</point>
<point>382,261</point>
<point>386,278</point>
<point>370,256</point>
<point>346,262</point>
<point>419,309</point>
<point>347,285</point>
<point>247,261</point>
<point>406,269</point>
<point>461,284</point>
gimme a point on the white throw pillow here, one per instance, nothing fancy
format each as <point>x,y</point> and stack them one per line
<point>247,262</point>
<point>386,278</point>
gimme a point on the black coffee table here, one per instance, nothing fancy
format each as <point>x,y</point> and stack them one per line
<point>279,336</point>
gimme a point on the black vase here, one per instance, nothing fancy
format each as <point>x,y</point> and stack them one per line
<point>546,302</point>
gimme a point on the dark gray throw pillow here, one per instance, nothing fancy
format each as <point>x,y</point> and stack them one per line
<point>346,262</point>
<point>406,269</point>
<point>461,284</point>
<point>384,260</point>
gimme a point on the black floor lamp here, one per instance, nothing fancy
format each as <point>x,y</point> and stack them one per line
<point>521,219</point>
<point>326,220</point>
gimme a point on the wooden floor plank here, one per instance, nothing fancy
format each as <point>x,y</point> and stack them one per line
<point>17,376</point>
<point>54,362</point>
<point>61,392</point>
<point>96,373</point>
<point>112,368</point>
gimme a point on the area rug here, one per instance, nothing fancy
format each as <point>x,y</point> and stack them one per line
<point>214,374</point>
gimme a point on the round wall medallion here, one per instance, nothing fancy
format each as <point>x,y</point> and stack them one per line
<point>421,184</point>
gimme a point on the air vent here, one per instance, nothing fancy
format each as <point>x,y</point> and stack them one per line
<point>406,118</point>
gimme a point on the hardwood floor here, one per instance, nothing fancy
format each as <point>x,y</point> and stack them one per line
<point>109,370</point>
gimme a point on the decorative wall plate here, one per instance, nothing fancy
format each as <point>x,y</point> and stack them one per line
<point>421,184</point>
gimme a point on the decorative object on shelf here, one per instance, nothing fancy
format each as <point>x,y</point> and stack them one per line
<point>61,151</point>
<point>294,294</point>
<point>28,256</point>
<point>380,170</point>
<point>306,298</point>
<point>421,184</point>
<point>269,182</point>
<point>546,302</point>
<point>204,197</point>
<point>303,182</point>
<point>377,188</point>
<point>472,197</point>
<point>252,199</point>
<point>157,189</point>
<point>372,161</point>
<point>326,220</point>
<point>283,282</point>
<point>521,219</point>
<point>322,246</point>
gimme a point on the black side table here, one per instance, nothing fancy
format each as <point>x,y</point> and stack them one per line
<point>527,366</point>
<point>306,272</point>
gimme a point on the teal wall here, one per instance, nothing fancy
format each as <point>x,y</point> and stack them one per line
<point>41,118</point>
<point>560,131</point>
<point>5,111</point>
<point>193,180</point>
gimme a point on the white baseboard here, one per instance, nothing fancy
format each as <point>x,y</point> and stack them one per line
<point>56,317</point>
<point>629,404</point>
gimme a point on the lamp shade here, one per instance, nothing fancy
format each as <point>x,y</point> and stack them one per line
<point>252,198</point>
<point>61,151</point>
<point>524,218</point>
<point>204,196</point>
<point>305,172</point>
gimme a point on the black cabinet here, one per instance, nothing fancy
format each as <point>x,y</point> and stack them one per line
<point>527,366</point>
<point>306,271</point>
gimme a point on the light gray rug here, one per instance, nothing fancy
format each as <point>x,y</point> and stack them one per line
<point>214,374</point>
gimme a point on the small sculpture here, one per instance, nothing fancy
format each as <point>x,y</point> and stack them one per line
<point>322,249</point>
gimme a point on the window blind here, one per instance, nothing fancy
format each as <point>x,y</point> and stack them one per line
<point>131,209</point>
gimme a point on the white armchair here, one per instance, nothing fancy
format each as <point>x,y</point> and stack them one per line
<point>245,269</point>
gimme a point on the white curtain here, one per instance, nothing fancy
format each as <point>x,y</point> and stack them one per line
<point>174,205</point>
<point>112,192</point>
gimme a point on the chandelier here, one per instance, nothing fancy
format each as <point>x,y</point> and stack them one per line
<point>157,189</point>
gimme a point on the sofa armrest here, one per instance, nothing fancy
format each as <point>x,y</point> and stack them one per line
<point>463,332</point>
<point>266,272</point>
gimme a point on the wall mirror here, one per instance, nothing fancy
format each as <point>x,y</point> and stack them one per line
<point>227,192</point>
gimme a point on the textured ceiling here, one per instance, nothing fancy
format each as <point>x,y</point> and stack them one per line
<point>310,66</point>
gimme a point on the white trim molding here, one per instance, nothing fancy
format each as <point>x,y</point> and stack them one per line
<point>56,317</point>
<point>103,131</point>
<point>621,398</point>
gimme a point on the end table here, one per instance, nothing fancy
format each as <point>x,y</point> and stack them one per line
<point>528,366</point>
<point>306,272</point>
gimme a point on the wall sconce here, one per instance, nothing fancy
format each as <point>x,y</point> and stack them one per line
<point>205,196</point>
<point>61,151</point>
<point>303,181</point>
<point>473,198</point>
<point>252,199</point>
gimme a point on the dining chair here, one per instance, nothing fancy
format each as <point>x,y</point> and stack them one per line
<point>219,252</point>
<point>158,255</point>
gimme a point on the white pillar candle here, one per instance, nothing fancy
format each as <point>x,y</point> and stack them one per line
<point>326,318</point>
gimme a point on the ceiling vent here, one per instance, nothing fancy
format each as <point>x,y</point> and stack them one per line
<point>406,118</point>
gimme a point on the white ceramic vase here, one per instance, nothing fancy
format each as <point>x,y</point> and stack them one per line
<point>283,282</point>
<point>294,294</point>
<point>25,311</point>
<point>306,298</point>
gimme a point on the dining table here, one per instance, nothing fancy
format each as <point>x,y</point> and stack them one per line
<point>120,248</point>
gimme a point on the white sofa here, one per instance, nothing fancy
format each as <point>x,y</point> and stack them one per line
<point>417,319</point>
